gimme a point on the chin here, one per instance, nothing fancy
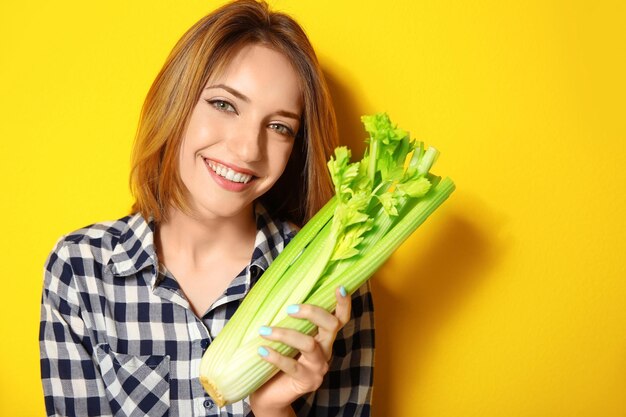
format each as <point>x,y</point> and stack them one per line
<point>224,211</point>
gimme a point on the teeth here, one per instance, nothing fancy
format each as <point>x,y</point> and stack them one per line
<point>229,174</point>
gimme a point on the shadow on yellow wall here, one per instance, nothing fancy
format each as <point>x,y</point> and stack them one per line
<point>422,285</point>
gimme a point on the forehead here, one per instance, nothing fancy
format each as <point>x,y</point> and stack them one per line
<point>259,71</point>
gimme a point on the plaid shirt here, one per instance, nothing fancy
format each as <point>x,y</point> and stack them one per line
<point>118,337</point>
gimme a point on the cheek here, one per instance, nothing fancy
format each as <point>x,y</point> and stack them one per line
<point>185,155</point>
<point>282,157</point>
<point>184,170</point>
<point>200,129</point>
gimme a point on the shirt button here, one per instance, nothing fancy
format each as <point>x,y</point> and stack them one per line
<point>204,343</point>
<point>208,404</point>
<point>254,271</point>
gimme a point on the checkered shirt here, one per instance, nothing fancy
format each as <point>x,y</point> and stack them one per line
<point>118,337</point>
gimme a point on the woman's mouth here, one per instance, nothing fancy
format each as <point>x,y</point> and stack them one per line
<point>228,173</point>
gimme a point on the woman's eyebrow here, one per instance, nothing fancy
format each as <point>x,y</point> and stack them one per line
<point>289,114</point>
<point>231,90</point>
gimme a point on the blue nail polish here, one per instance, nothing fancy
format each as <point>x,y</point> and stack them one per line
<point>263,352</point>
<point>265,331</point>
<point>293,309</point>
<point>342,291</point>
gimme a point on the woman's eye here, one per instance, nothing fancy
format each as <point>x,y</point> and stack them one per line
<point>282,129</point>
<point>222,105</point>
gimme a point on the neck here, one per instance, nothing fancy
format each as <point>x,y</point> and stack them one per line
<point>199,241</point>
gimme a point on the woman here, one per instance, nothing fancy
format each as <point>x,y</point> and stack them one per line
<point>229,160</point>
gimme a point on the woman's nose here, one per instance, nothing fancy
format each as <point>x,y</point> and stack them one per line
<point>247,144</point>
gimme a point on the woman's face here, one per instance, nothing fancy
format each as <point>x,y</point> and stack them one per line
<point>241,133</point>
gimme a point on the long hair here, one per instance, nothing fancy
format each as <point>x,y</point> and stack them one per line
<point>202,52</point>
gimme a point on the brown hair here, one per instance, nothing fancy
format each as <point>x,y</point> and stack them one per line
<point>203,51</point>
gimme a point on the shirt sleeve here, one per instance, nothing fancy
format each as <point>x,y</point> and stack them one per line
<point>71,382</point>
<point>347,387</point>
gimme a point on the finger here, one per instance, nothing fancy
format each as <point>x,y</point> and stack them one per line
<point>325,321</point>
<point>320,317</point>
<point>304,380</point>
<point>304,343</point>
<point>328,324</point>
<point>286,364</point>
<point>344,305</point>
<point>310,348</point>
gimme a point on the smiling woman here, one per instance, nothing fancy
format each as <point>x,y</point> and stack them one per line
<point>229,159</point>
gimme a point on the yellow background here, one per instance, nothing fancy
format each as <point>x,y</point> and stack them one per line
<point>508,302</point>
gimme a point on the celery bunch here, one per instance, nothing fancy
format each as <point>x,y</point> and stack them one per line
<point>379,201</point>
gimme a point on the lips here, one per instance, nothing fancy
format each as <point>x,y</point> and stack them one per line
<point>228,176</point>
<point>229,173</point>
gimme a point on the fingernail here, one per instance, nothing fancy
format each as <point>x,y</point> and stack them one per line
<point>293,309</point>
<point>263,352</point>
<point>265,331</point>
<point>343,291</point>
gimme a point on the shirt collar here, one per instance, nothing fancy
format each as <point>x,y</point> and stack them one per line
<point>135,249</point>
<point>269,241</point>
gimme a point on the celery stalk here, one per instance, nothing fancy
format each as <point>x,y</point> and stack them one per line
<point>245,317</point>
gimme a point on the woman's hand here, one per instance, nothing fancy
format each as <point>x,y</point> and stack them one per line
<point>304,373</point>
